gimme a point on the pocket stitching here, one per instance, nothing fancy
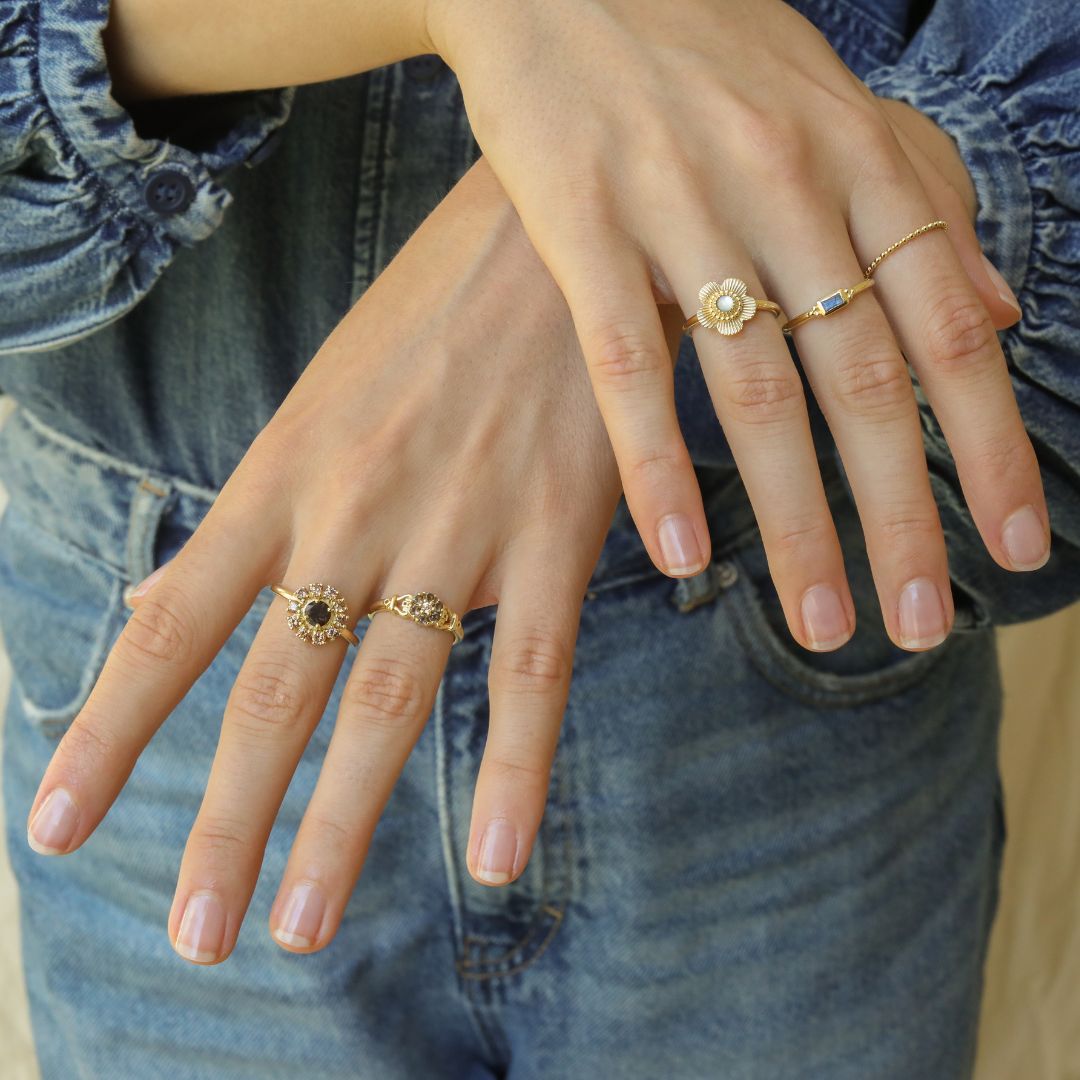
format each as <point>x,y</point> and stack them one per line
<point>805,683</point>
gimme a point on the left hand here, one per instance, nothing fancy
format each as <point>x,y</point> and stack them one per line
<point>444,438</point>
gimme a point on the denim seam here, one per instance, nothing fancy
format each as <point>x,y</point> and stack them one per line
<point>148,504</point>
<point>105,460</point>
<point>53,722</point>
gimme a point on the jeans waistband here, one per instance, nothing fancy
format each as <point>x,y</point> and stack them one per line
<point>122,513</point>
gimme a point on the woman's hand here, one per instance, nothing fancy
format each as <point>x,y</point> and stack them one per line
<point>653,145</point>
<point>444,438</point>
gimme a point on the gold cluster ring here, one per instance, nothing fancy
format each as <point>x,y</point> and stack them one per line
<point>316,613</point>
<point>423,608</point>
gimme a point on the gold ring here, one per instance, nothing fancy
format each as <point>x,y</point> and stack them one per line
<point>903,240</point>
<point>425,609</point>
<point>317,613</point>
<point>726,307</point>
<point>827,305</point>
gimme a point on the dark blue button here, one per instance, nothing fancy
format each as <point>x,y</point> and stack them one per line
<point>424,68</point>
<point>169,191</point>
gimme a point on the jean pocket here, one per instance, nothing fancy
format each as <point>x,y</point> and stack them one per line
<point>868,667</point>
<point>61,609</point>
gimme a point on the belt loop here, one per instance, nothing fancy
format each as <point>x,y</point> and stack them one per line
<point>150,497</point>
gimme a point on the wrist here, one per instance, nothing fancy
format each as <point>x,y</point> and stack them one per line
<point>169,48</point>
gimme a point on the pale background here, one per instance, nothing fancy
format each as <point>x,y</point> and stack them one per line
<point>1031,1009</point>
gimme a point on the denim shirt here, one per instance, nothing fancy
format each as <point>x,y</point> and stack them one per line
<point>158,301</point>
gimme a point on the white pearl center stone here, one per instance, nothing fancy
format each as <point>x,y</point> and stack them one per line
<point>725,303</point>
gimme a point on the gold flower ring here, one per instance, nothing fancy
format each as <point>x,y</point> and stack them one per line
<point>423,608</point>
<point>317,613</point>
<point>727,307</point>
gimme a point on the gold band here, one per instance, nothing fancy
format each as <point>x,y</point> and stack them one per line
<point>316,613</point>
<point>827,305</point>
<point>727,307</point>
<point>425,609</point>
<point>903,240</point>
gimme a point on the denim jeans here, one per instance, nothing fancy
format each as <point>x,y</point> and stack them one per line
<point>755,861</point>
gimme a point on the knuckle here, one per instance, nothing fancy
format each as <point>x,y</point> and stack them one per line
<point>961,335</point>
<point>798,538</point>
<point>160,630</point>
<point>268,692</point>
<point>878,159</point>
<point>513,772</point>
<point>219,837</point>
<point>902,526</point>
<point>331,835</point>
<point>873,381</point>
<point>776,146</point>
<point>761,393</point>
<point>623,355</point>
<point>657,466</point>
<point>384,693</point>
<point>536,663</point>
<point>88,743</point>
<point>1007,459</point>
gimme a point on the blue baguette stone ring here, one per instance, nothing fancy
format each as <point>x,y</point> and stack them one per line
<point>827,305</point>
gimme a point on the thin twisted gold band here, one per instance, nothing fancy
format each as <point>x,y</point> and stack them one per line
<point>424,609</point>
<point>903,240</point>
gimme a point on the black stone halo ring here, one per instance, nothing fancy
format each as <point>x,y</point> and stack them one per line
<point>423,608</point>
<point>317,613</point>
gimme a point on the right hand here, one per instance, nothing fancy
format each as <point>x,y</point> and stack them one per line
<point>652,146</point>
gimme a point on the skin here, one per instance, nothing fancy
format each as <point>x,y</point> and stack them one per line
<point>594,117</point>
<point>494,482</point>
<point>646,154</point>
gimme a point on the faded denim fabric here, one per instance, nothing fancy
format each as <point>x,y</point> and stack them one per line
<point>755,861</point>
<point>748,867</point>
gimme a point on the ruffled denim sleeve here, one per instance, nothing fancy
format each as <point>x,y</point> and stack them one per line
<point>1002,77</point>
<point>91,212</point>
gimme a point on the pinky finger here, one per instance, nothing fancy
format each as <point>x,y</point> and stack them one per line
<point>528,683</point>
<point>993,291</point>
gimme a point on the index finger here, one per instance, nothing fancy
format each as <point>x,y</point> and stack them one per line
<point>170,639</point>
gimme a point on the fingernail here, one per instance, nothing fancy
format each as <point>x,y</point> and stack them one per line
<point>1001,285</point>
<point>300,921</point>
<point>53,826</point>
<point>922,617</point>
<point>679,545</point>
<point>1025,540</point>
<point>824,617</point>
<point>498,848</point>
<point>144,585</point>
<point>202,929</point>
